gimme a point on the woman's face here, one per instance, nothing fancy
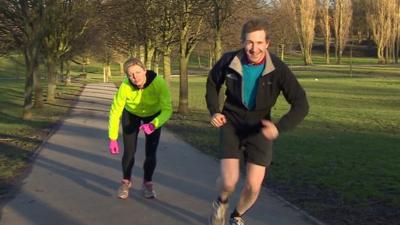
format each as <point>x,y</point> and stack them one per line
<point>137,75</point>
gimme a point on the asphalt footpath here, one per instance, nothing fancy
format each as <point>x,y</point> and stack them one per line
<point>74,180</point>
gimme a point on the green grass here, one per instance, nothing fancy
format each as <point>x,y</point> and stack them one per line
<point>12,67</point>
<point>18,138</point>
<point>347,145</point>
<point>348,141</point>
<point>344,71</point>
<point>318,59</point>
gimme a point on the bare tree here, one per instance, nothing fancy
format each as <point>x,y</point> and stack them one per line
<point>380,16</point>
<point>191,30</point>
<point>342,21</point>
<point>324,21</point>
<point>221,12</point>
<point>66,21</point>
<point>360,27</point>
<point>397,32</point>
<point>168,34</point>
<point>7,42</point>
<point>23,20</point>
<point>112,31</point>
<point>148,29</point>
<point>282,33</point>
<point>303,14</point>
<point>392,49</point>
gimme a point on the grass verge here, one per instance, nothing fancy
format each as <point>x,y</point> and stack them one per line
<point>341,163</point>
<point>19,138</point>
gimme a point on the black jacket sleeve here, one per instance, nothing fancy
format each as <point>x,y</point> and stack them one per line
<point>296,97</point>
<point>216,78</point>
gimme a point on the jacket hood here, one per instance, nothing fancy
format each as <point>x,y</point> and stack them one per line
<point>150,76</point>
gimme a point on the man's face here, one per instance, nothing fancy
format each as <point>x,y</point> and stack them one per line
<point>256,46</point>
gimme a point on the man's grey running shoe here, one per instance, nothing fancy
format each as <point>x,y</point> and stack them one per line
<point>218,213</point>
<point>236,221</point>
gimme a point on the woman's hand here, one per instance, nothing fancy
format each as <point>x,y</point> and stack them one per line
<point>147,128</point>
<point>113,147</point>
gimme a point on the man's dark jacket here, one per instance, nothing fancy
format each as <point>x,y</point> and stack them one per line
<point>275,78</point>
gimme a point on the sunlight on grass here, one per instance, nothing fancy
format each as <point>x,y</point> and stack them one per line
<point>347,142</point>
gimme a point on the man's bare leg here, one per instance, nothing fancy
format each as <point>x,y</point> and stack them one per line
<point>251,190</point>
<point>226,184</point>
<point>229,177</point>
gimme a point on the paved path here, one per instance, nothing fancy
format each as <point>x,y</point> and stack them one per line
<point>74,180</point>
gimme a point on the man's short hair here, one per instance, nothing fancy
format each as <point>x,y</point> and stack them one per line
<point>255,25</point>
<point>131,62</point>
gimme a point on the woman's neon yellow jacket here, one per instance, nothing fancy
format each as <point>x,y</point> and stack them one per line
<point>153,98</point>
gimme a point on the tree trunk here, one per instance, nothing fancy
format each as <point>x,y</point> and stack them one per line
<point>217,56</point>
<point>393,51</point>
<point>303,14</point>
<point>52,83</point>
<point>380,54</point>
<point>38,95</point>
<point>336,49</point>
<point>109,75</point>
<point>359,37</point>
<point>62,70</point>
<point>386,54</point>
<point>28,94</point>
<point>183,107</point>
<point>121,68</point>
<point>217,45</point>
<point>141,53</point>
<point>339,34</point>
<point>210,59</point>
<point>17,74</point>
<point>326,28</point>
<point>67,73</point>
<point>199,60</point>
<point>105,73</point>
<point>397,50</point>
<point>327,45</point>
<point>155,61</point>
<point>84,63</point>
<point>308,56</point>
<point>149,52</point>
<point>167,66</point>
<point>134,51</point>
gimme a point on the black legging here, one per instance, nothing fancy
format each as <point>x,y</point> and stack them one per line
<point>130,128</point>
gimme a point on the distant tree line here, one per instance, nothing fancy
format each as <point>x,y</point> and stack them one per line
<point>339,21</point>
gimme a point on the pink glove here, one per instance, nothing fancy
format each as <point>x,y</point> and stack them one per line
<point>113,147</point>
<point>148,128</point>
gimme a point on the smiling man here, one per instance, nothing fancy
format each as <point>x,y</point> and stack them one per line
<point>254,78</point>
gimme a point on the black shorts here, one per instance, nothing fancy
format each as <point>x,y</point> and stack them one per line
<point>251,143</point>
